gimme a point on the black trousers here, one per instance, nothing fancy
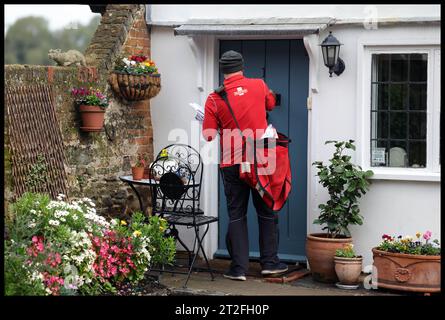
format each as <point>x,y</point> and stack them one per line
<point>237,240</point>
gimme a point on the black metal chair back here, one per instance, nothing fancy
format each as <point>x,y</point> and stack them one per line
<point>180,177</point>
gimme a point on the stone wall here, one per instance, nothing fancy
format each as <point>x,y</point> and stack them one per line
<point>94,161</point>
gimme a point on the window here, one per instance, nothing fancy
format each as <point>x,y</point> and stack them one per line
<point>398,119</point>
<point>399,110</point>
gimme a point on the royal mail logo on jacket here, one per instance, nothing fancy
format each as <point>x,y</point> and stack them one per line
<point>240,91</point>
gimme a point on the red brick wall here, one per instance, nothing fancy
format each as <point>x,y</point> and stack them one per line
<point>138,41</point>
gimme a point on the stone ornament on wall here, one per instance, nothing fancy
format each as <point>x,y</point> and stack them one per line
<point>69,58</point>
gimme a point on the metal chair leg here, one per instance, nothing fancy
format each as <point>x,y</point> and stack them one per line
<point>203,252</point>
<point>191,266</point>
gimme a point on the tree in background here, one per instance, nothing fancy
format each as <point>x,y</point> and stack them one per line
<point>28,40</point>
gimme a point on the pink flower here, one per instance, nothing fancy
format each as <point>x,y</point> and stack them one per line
<point>427,235</point>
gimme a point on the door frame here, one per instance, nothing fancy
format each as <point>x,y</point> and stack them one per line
<point>206,52</point>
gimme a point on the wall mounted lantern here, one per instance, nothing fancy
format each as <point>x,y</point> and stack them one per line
<point>330,47</point>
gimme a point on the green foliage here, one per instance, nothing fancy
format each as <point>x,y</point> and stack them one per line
<point>346,183</point>
<point>29,39</point>
<point>37,173</point>
<point>17,279</point>
<point>163,248</point>
<point>346,252</point>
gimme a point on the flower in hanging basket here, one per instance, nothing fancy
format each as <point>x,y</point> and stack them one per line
<point>136,65</point>
<point>135,77</point>
<point>92,104</point>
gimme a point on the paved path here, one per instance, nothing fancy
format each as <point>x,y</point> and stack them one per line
<point>200,283</point>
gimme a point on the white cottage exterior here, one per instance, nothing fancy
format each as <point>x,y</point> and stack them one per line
<point>404,196</point>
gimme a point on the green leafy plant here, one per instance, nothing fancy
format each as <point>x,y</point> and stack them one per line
<point>346,183</point>
<point>141,160</point>
<point>346,252</point>
<point>37,173</point>
<point>409,245</point>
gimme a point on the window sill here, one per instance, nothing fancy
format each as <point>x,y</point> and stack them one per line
<point>404,174</point>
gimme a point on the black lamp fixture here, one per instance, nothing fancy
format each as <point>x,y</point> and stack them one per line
<point>330,47</point>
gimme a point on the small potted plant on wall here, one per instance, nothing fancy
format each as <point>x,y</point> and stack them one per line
<point>135,77</point>
<point>137,170</point>
<point>92,104</point>
<point>348,267</point>
<point>346,183</point>
<point>407,263</point>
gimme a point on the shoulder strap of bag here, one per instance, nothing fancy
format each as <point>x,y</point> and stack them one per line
<point>221,91</point>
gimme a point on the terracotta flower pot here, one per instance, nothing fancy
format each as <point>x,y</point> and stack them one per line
<point>92,118</point>
<point>348,270</point>
<point>320,252</point>
<point>407,272</point>
<point>137,173</point>
<point>135,87</point>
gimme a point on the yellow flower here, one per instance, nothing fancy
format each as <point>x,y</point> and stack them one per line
<point>418,234</point>
<point>137,233</point>
<point>123,223</point>
<point>161,228</point>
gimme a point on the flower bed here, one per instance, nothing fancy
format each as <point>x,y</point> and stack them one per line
<point>65,248</point>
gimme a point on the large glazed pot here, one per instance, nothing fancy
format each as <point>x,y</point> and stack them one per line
<point>320,252</point>
<point>135,87</point>
<point>348,270</point>
<point>407,272</point>
<point>92,118</point>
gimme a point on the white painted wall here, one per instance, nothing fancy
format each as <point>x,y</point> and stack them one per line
<point>391,206</point>
<point>182,13</point>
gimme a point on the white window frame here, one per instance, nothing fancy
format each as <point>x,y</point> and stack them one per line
<point>432,170</point>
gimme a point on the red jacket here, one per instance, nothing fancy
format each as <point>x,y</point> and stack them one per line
<point>249,98</point>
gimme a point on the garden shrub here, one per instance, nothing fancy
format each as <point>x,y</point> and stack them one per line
<point>56,247</point>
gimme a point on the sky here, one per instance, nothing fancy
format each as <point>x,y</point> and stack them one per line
<point>58,16</point>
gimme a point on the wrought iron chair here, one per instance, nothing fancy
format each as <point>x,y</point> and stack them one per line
<point>176,197</point>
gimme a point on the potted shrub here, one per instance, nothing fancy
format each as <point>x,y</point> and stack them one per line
<point>92,104</point>
<point>348,267</point>
<point>408,264</point>
<point>137,170</point>
<point>346,183</point>
<point>135,78</point>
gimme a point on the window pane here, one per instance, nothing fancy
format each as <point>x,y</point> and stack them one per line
<point>379,125</point>
<point>379,153</point>
<point>380,95</point>
<point>398,96</point>
<point>399,67</point>
<point>381,64</point>
<point>417,97</point>
<point>418,67</point>
<point>417,154</point>
<point>417,125</point>
<point>397,154</point>
<point>398,125</point>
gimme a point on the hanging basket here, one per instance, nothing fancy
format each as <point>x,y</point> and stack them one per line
<point>135,87</point>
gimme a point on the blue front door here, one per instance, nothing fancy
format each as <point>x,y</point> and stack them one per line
<point>283,64</point>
